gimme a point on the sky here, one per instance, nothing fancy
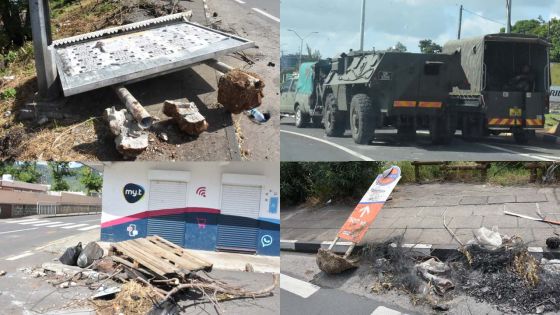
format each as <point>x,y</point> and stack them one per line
<point>392,21</point>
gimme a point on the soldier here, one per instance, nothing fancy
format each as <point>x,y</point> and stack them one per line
<point>524,81</point>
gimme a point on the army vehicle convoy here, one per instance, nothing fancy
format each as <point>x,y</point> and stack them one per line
<point>487,85</point>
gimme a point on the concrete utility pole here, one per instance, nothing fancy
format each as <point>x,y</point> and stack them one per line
<point>460,21</point>
<point>362,25</point>
<point>508,12</point>
<point>42,38</point>
<point>301,43</point>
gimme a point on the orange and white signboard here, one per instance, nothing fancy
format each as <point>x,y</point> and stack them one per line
<point>366,211</point>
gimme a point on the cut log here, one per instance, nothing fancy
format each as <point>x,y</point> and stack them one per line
<point>187,116</point>
<point>130,139</point>
<point>240,90</point>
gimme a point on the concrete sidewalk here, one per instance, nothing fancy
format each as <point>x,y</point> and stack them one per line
<point>418,210</point>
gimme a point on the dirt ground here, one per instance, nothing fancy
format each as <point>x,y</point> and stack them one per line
<point>80,133</point>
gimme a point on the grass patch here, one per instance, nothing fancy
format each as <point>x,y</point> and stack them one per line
<point>555,73</point>
<point>551,120</point>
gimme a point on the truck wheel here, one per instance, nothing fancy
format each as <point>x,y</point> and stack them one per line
<point>406,132</point>
<point>363,118</point>
<point>523,136</point>
<point>333,119</point>
<point>472,130</point>
<point>442,129</point>
<point>301,118</point>
<point>316,122</point>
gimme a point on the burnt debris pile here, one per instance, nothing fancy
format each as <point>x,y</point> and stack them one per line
<point>492,268</point>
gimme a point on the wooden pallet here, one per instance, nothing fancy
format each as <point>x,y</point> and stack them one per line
<point>159,256</point>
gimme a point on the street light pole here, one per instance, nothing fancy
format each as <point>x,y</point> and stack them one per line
<point>301,43</point>
<point>508,12</point>
<point>362,25</point>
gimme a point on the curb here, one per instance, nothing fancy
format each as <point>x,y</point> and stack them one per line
<point>440,251</point>
<point>548,138</point>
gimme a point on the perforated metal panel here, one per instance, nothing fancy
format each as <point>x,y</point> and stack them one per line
<point>167,195</point>
<point>138,51</point>
<point>238,223</point>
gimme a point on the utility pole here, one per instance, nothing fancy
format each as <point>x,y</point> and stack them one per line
<point>301,43</point>
<point>42,38</point>
<point>508,12</point>
<point>362,25</point>
<point>460,21</point>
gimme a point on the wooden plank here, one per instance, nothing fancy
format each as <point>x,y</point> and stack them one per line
<point>138,256</point>
<point>171,258</point>
<point>181,251</point>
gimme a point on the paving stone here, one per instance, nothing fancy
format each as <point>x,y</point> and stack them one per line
<point>550,207</point>
<point>425,202</point>
<point>404,222</point>
<point>474,200</point>
<point>526,234</point>
<point>501,199</point>
<point>501,221</point>
<point>431,211</point>
<point>399,212</point>
<point>531,198</point>
<point>447,201</point>
<point>459,211</point>
<point>378,235</point>
<point>431,222</point>
<point>488,210</point>
<point>403,203</point>
<point>435,236</point>
<point>473,222</point>
<point>381,222</point>
<point>522,208</point>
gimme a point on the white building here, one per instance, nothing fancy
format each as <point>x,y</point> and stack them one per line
<point>229,206</point>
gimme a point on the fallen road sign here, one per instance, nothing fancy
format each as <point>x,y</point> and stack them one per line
<point>367,209</point>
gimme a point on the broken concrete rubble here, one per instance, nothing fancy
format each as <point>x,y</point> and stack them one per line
<point>239,90</point>
<point>130,139</point>
<point>187,117</point>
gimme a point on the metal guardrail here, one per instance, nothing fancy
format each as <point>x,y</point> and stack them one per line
<point>57,209</point>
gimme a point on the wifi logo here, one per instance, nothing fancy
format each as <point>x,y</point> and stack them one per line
<point>201,191</point>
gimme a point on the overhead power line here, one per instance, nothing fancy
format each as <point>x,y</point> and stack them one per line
<point>482,16</point>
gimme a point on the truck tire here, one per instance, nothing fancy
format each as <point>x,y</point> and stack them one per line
<point>363,118</point>
<point>523,136</point>
<point>301,118</point>
<point>333,120</point>
<point>442,129</point>
<point>472,130</point>
<point>317,122</point>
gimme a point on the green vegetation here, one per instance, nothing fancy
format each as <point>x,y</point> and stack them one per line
<point>316,183</point>
<point>59,170</point>
<point>550,120</point>
<point>8,93</point>
<point>427,46</point>
<point>22,171</point>
<point>91,180</point>
<point>555,73</point>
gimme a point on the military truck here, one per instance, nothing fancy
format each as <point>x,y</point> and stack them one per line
<point>367,90</point>
<point>298,94</point>
<point>509,76</point>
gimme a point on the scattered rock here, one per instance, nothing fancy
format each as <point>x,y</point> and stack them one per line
<point>7,113</point>
<point>38,274</point>
<point>2,272</point>
<point>539,309</point>
<point>240,90</point>
<point>163,136</point>
<point>187,116</point>
<point>42,120</point>
<point>271,64</point>
<point>553,242</point>
<point>249,268</point>
<point>130,140</point>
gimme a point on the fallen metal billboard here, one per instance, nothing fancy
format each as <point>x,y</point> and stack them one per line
<point>138,51</point>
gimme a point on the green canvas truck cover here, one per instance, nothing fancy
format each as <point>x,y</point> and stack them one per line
<point>472,54</point>
<point>305,81</point>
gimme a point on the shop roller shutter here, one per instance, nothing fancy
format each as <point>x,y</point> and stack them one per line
<point>167,195</point>
<point>238,224</point>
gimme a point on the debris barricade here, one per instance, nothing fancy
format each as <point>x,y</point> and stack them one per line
<point>187,117</point>
<point>240,90</point>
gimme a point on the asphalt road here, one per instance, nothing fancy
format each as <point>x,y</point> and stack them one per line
<point>20,236</point>
<point>267,8</point>
<point>311,144</point>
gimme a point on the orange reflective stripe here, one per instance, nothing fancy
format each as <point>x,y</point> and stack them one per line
<point>494,121</point>
<point>404,103</point>
<point>430,104</point>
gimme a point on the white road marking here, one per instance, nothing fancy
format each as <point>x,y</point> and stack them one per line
<point>298,287</point>
<point>382,310</point>
<point>26,220</point>
<point>353,153</point>
<point>62,224</point>
<point>33,222</point>
<point>74,226</point>
<point>20,256</point>
<point>95,220</point>
<point>240,1</point>
<point>14,231</point>
<point>47,224</point>
<point>272,17</point>
<point>90,227</point>
<point>532,156</point>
